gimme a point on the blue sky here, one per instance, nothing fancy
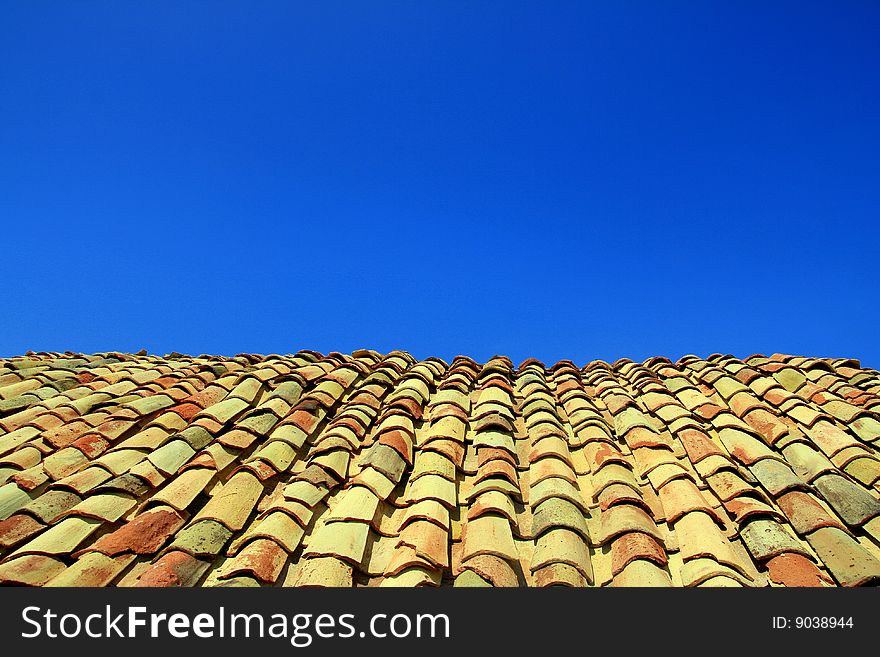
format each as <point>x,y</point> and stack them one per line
<point>559,180</point>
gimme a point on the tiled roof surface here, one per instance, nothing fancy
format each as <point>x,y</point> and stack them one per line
<point>363,469</point>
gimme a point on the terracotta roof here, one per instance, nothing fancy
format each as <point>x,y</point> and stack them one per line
<point>364,469</point>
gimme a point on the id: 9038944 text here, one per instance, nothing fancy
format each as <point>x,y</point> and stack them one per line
<point>813,622</point>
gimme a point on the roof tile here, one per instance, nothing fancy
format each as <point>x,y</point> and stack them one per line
<point>852,502</point>
<point>489,534</point>
<point>849,562</point>
<point>30,570</point>
<point>791,569</point>
<point>234,502</point>
<point>563,546</point>
<point>202,538</point>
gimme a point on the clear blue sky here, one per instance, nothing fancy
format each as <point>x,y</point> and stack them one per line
<point>551,179</point>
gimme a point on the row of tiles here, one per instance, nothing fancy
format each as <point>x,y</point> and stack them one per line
<point>366,469</point>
